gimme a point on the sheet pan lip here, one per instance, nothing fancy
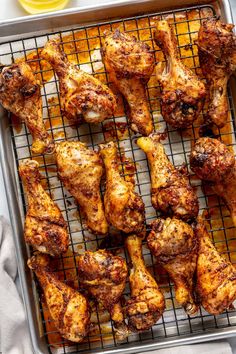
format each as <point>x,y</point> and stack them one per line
<point>12,23</point>
<point>70,11</point>
<point>228,11</point>
<point>75,10</point>
<point>197,338</point>
<point>9,179</point>
<point>15,221</point>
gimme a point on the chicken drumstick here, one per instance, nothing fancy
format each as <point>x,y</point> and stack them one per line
<point>147,302</point>
<point>45,227</point>
<point>20,94</point>
<point>183,93</point>
<point>104,276</point>
<point>124,208</point>
<point>80,169</point>
<point>216,277</point>
<point>68,308</point>
<point>82,96</point>
<point>130,64</point>
<point>211,160</point>
<point>171,191</point>
<point>217,56</point>
<point>174,244</point>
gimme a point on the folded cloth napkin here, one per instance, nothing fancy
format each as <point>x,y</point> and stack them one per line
<point>217,347</point>
<point>14,333</point>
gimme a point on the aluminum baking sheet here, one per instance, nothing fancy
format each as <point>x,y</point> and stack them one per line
<point>82,45</point>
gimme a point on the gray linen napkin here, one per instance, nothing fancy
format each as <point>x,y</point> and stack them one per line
<point>14,334</point>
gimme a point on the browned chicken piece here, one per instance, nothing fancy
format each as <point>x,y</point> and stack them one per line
<point>226,189</point>
<point>45,227</point>
<point>171,191</point>
<point>20,94</point>
<point>104,276</point>
<point>147,302</point>
<point>216,277</point>
<point>217,55</point>
<point>80,169</point>
<point>211,160</point>
<point>68,308</point>
<point>124,208</point>
<point>183,93</point>
<point>174,244</point>
<point>130,64</point>
<point>82,96</point>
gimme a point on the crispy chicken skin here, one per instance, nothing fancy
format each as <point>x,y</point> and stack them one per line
<point>20,94</point>
<point>211,160</point>
<point>45,227</point>
<point>68,308</point>
<point>217,56</point>
<point>174,244</point>
<point>171,191</point>
<point>82,96</point>
<point>216,277</point>
<point>124,208</point>
<point>226,189</point>
<point>104,276</point>
<point>147,302</point>
<point>130,64</point>
<point>80,169</point>
<point>183,93</point>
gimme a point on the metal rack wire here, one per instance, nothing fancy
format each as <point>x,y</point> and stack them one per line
<point>82,46</point>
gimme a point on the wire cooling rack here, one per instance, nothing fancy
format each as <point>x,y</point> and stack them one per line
<point>82,46</point>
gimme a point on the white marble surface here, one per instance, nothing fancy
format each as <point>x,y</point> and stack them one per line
<point>11,9</point>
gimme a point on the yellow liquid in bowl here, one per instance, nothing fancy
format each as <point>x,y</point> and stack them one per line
<point>38,6</point>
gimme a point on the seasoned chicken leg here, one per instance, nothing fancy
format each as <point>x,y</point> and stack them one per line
<point>216,277</point>
<point>211,160</point>
<point>226,189</point>
<point>174,244</point>
<point>183,93</point>
<point>82,96</point>
<point>68,308</point>
<point>130,64</point>
<point>104,276</point>
<point>147,302</point>
<point>217,55</point>
<point>171,191</point>
<point>45,227</point>
<point>124,208</point>
<point>80,169</point>
<point>20,94</point>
